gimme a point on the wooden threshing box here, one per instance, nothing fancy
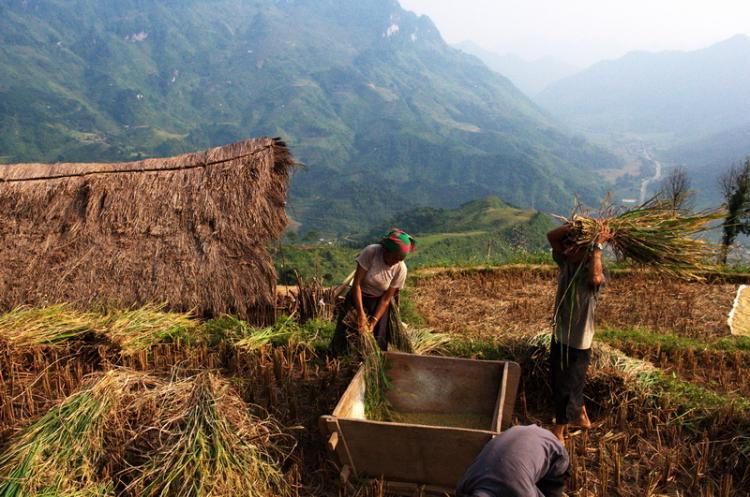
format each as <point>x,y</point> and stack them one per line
<point>411,456</point>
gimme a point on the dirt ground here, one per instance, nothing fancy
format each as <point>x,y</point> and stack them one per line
<point>520,301</point>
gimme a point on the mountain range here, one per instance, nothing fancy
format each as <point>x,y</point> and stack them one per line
<point>382,112</point>
<point>531,77</point>
<point>697,101</point>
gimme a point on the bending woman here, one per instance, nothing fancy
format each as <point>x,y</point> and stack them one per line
<point>368,306</point>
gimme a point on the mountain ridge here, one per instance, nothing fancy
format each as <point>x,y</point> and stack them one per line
<point>689,94</point>
<point>531,77</point>
<point>383,113</point>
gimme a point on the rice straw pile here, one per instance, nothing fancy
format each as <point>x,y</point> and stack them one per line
<point>132,433</point>
<point>427,341</point>
<point>143,327</point>
<point>208,444</point>
<point>62,453</point>
<point>28,326</point>
<point>653,234</point>
<point>252,339</point>
<point>739,317</point>
<point>131,330</point>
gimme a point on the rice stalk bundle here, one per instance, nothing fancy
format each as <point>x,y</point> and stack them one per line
<point>63,453</point>
<point>377,405</point>
<point>400,339</point>
<point>189,437</point>
<point>641,373</point>
<point>425,341</point>
<point>255,339</point>
<point>653,234</point>
<point>313,299</point>
<point>286,330</point>
<point>208,444</point>
<point>29,327</point>
<point>139,329</point>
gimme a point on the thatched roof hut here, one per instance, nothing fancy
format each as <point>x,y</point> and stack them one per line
<point>189,230</point>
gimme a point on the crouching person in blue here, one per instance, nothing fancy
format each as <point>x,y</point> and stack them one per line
<point>523,461</point>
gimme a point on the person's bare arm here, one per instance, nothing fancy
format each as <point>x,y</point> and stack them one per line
<point>596,269</point>
<point>556,237</point>
<point>359,276</point>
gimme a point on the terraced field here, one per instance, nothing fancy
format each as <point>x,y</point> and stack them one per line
<point>668,390</point>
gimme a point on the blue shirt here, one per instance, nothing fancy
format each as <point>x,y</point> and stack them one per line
<point>512,463</point>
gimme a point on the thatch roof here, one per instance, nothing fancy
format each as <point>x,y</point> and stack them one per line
<point>189,230</point>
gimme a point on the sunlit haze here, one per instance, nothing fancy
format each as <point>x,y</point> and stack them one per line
<point>582,32</point>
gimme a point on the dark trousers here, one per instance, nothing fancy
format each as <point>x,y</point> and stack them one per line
<point>553,486</point>
<point>381,331</point>
<point>346,329</point>
<point>567,368</point>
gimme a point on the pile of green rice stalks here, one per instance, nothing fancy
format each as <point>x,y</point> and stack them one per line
<point>141,328</point>
<point>377,384</point>
<point>654,234</point>
<point>377,406</point>
<point>130,433</point>
<point>130,330</point>
<point>30,326</point>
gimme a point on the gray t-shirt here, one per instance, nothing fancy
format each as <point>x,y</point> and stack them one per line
<point>379,277</point>
<point>519,462</point>
<point>575,303</point>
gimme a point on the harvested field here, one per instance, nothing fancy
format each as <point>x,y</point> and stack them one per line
<point>646,440</point>
<point>655,433</point>
<point>519,301</point>
<point>720,371</point>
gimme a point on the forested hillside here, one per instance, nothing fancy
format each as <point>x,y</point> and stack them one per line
<point>483,231</point>
<point>382,112</point>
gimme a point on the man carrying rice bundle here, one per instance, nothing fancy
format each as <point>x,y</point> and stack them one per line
<point>653,235</point>
<point>581,279</point>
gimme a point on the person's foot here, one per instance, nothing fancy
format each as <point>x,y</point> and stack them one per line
<point>583,422</point>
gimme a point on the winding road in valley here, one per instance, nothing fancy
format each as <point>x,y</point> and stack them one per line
<point>655,177</point>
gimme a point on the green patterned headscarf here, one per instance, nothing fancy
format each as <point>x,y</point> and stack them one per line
<point>399,242</point>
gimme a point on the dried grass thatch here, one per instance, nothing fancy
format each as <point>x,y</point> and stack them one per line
<point>187,230</point>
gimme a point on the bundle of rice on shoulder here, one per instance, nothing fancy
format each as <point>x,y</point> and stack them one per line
<point>653,235</point>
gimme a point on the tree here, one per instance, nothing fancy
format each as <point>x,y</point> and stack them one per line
<point>311,236</point>
<point>675,188</point>
<point>291,236</point>
<point>735,187</point>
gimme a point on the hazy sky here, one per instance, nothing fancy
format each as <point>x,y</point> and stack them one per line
<point>585,31</point>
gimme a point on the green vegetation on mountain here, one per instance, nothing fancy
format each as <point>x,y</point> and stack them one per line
<point>368,96</point>
<point>330,264</point>
<point>484,231</point>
